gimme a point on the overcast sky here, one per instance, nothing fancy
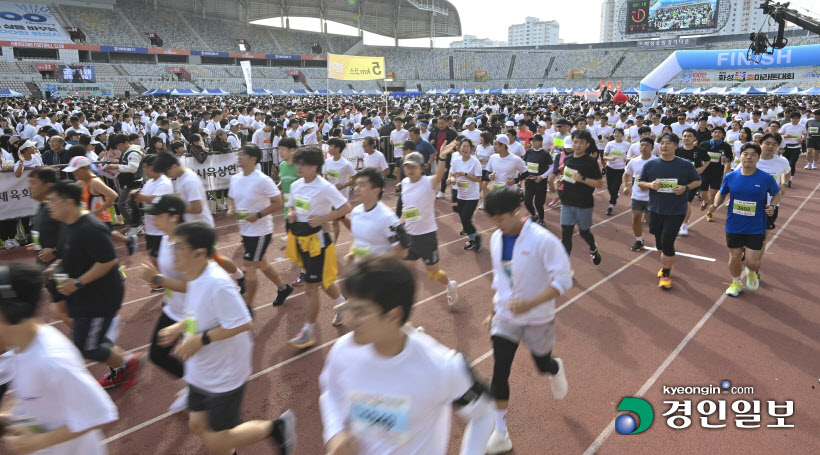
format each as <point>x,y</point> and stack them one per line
<point>580,20</point>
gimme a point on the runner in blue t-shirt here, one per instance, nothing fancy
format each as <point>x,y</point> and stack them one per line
<point>746,221</point>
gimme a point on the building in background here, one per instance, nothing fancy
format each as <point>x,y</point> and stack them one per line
<point>608,21</point>
<point>534,32</point>
<point>470,41</point>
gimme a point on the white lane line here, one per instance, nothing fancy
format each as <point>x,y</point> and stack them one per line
<point>693,256</point>
<point>672,356</point>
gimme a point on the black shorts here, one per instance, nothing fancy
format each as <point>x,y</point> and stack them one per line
<point>255,247</point>
<point>813,143</point>
<point>314,266</point>
<point>711,178</point>
<point>658,224</point>
<point>424,246</point>
<point>690,196</point>
<point>771,219</point>
<point>89,336</point>
<point>485,175</point>
<point>750,241</point>
<point>152,244</point>
<point>223,408</point>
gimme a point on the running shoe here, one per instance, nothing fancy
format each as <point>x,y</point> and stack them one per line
<point>595,255</point>
<point>242,285</point>
<point>789,184</point>
<point>282,295</point>
<point>470,245</point>
<point>481,206</point>
<point>609,211</point>
<point>558,381</point>
<point>660,272</point>
<point>133,367</point>
<point>553,202</point>
<point>131,244</point>
<point>813,165</point>
<point>181,401</point>
<point>752,280</point>
<point>157,289</point>
<point>808,166</point>
<point>735,289</point>
<point>665,282</point>
<point>462,232</point>
<point>703,206</point>
<point>137,230</point>
<point>499,443</point>
<point>479,243</point>
<point>440,195</point>
<point>112,379</point>
<point>710,217</point>
<point>122,271</point>
<point>283,433</point>
<point>303,339</point>
<point>638,246</point>
<point>542,223</point>
<point>299,281</point>
<point>338,318</point>
<point>684,229</point>
<point>452,295</point>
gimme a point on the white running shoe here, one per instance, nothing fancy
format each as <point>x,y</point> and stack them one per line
<point>684,229</point>
<point>440,195</point>
<point>452,296</point>
<point>559,381</point>
<point>808,166</point>
<point>481,206</point>
<point>499,443</point>
<point>181,402</point>
<point>814,165</point>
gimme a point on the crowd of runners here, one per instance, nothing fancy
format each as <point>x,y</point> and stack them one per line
<point>386,387</point>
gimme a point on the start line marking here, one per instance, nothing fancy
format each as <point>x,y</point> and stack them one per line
<point>693,256</point>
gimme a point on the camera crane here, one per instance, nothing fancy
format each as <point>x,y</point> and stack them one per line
<point>781,14</point>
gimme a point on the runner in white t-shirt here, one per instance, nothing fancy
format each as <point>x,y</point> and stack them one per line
<point>372,222</point>
<point>58,396</point>
<point>314,202</point>
<point>253,198</point>
<point>504,168</point>
<point>157,186</point>
<point>614,156</point>
<point>640,197</point>
<point>217,348</point>
<point>339,172</point>
<point>465,176</point>
<point>372,157</point>
<point>394,393</point>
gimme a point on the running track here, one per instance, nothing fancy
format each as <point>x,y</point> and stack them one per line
<point>619,335</point>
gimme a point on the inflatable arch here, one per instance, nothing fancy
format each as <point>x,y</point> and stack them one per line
<point>723,60</point>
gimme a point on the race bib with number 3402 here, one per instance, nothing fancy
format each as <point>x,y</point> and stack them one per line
<point>744,208</point>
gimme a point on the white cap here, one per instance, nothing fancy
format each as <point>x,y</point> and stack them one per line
<point>206,131</point>
<point>469,121</point>
<point>289,113</point>
<point>76,163</point>
<point>234,122</point>
<point>357,126</point>
<point>542,123</point>
<point>28,144</point>
<point>502,139</point>
<point>509,123</point>
<point>98,132</point>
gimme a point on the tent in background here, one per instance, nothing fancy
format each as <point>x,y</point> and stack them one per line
<point>756,91</point>
<point>811,91</point>
<point>183,92</point>
<point>631,91</point>
<point>214,91</point>
<point>786,91</point>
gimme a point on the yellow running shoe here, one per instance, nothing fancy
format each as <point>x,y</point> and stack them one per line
<point>752,280</point>
<point>665,282</point>
<point>735,289</point>
<point>709,217</point>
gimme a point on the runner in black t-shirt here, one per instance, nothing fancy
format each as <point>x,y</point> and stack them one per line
<point>721,156</point>
<point>535,186</point>
<point>700,159</point>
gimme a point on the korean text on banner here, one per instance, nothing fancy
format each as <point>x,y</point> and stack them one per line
<point>215,172</point>
<point>29,22</point>
<point>354,68</point>
<point>15,197</point>
<point>246,71</point>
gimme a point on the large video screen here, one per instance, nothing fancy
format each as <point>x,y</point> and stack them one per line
<point>659,16</point>
<point>77,74</point>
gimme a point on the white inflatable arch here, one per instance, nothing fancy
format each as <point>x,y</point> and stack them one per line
<point>723,60</point>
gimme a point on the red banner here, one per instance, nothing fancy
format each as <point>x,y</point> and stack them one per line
<point>184,74</point>
<point>46,67</point>
<point>609,86</point>
<point>601,85</point>
<point>617,86</point>
<point>246,55</point>
<point>168,51</point>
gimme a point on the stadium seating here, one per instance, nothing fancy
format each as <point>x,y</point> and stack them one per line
<point>102,26</point>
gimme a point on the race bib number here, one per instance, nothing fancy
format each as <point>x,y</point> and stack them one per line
<point>333,174</point>
<point>532,167</point>
<point>483,160</point>
<point>776,177</point>
<point>190,324</point>
<point>411,214</point>
<point>617,153</point>
<point>168,293</point>
<point>499,185</point>
<point>241,214</point>
<point>568,173</point>
<point>715,156</point>
<point>361,250</point>
<point>462,184</point>
<point>667,185</point>
<point>302,204</point>
<point>379,417</point>
<point>813,130</point>
<point>744,208</point>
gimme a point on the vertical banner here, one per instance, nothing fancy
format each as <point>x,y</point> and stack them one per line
<point>246,71</point>
<point>609,86</point>
<point>354,68</point>
<point>602,85</point>
<point>617,86</point>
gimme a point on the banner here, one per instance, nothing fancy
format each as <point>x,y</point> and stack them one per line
<point>246,71</point>
<point>215,172</point>
<point>61,90</point>
<point>15,197</point>
<point>76,74</point>
<point>792,76</point>
<point>676,43</point>
<point>354,68</point>
<point>575,74</point>
<point>479,76</point>
<point>24,21</point>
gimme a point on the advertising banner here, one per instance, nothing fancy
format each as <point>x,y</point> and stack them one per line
<point>62,90</point>
<point>246,71</point>
<point>28,22</point>
<point>15,197</point>
<point>789,75</point>
<point>76,74</point>
<point>215,172</point>
<point>355,68</point>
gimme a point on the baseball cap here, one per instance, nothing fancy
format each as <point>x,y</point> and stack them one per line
<point>28,144</point>
<point>413,159</point>
<point>509,123</point>
<point>234,122</point>
<point>169,203</point>
<point>502,139</point>
<point>206,131</point>
<point>469,121</point>
<point>77,162</point>
<point>97,133</point>
<point>543,124</point>
<point>357,126</point>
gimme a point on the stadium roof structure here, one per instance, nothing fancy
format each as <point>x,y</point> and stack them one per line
<point>399,19</point>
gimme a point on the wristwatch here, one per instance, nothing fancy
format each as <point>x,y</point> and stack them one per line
<point>157,280</point>
<point>79,284</point>
<point>583,179</point>
<point>206,339</point>
<point>259,215</point>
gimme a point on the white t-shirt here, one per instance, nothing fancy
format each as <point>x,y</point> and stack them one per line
<point>174,306</point>
<point>517,149</point>
<point>155,187</point>
<point>761,125</point>
<point>263,139</point>
<point>190,189</point>
<point>6,367</point>
<point>634,168</point>
<point>317,198</point>
<point>468,190</point>
<point>617,150</point>
<point>252,193</point>
<point>473,135</point>
<point>363,392</point>
<point>397,138</point>
<point>213,301</point>
<point>483,153</point>
<point>677,128</point>
<point>602,135</point>
<point>656,129</point>
<point>419,205</point>
<point>339,172</point>
<point>635,150</point>
<point>56,390</point>
<point>792,133</point>
<point>776,167</point>
<point>35,161</point>
<point>372,132</point>
<point>371,230</point>
<point>375,160</point>
<point>508,167</point>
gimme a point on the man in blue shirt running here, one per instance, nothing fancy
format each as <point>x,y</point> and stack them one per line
<point>746,221</point>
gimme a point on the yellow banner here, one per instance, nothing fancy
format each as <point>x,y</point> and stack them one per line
<point>354,68</point>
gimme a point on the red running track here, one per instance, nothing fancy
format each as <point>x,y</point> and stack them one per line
<point>618,334</point>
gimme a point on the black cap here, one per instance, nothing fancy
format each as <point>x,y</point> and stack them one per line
<point>169,203</point>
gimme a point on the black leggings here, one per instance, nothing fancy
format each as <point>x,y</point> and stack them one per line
<point>447,172</point>
<point>8,229</point>
<point>538,192</point>
<point>465,210</point>
<point>566,238</point>
<point>665,243</point>
<point>613,183</point>
<point>792,154</point>
<point>504,353</point>
<point>161,356</point>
